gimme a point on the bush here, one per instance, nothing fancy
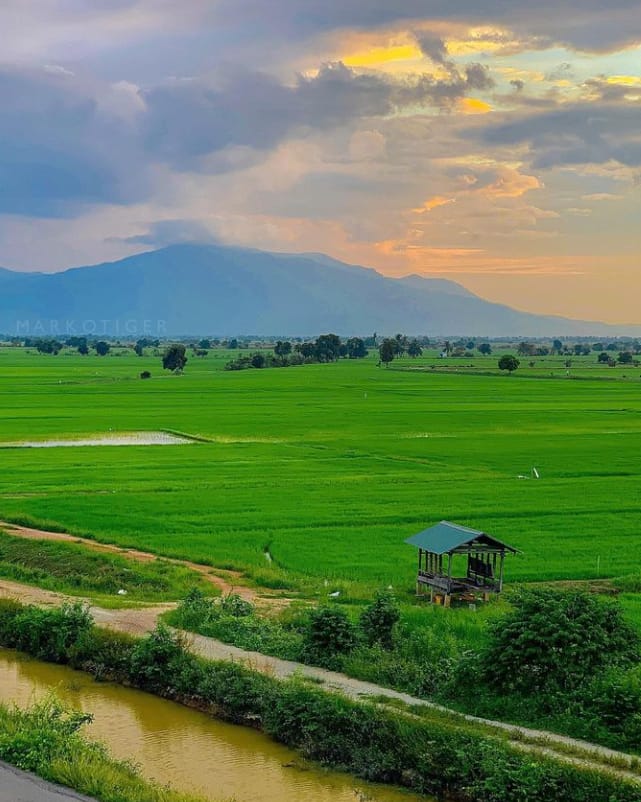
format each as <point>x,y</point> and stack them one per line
<point>555,642</point>
<point>232,604</point>
<point>329,636</point>
<point>377,621</point>
<point>48,634</point>
<point>432,756</point>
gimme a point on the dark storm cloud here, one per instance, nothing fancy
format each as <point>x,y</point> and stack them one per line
<point>593,133</point>
<point>66,142</point>
<point>57,146</point>
<point>584,24</point>
<point>190,119</point>
<point>432,46</point>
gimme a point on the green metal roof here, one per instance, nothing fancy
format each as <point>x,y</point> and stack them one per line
<point>446,537</point>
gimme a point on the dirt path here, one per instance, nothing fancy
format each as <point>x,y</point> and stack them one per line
<point>142,620</point>
<point>225,581</point>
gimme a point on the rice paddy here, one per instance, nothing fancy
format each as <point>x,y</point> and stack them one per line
<point>328,468</point>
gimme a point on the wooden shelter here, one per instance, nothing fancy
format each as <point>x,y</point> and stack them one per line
<point>438,547</point>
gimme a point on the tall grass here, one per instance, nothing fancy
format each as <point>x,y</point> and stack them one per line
<point>45,739</point>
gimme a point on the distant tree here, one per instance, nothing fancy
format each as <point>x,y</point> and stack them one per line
<point>145,375</point>
<point>258,360</point>
<point>328,347</point>
<point>557,345</point>
<point>48,347</point>
<point>526,349</point>
<point>470,345</point>
<point>603,357</point>
<point>356,348</point>
<point>508,362</point>
<point>205,344</point>
<point>83,348</point>
<point>175,358</point>
<point>201,352</point>
<point>400,344</point>
<point>485,349</point>
<point>447,347</point>
<point>102,348</point>
<point>306,350</point>
<point>139,348</point>
<point>612,347</point>
<point>387,352</point>
<point>414,349</point>
<point>597,346</point>
<point>283,348</point>
<point>232,344</point>
<point>625,358</point>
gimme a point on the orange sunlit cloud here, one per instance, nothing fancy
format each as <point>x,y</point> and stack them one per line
<point>433,203</point>
<point>377,56</point>
<point>472,105</point>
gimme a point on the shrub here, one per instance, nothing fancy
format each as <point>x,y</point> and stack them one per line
<point>232,604</point>
<point>555,642</point>
<point>377,621</point>
<point>329,635</point>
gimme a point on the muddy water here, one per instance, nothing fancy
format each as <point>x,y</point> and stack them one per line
<point>182,747</point>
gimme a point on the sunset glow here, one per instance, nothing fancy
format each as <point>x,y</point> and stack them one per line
<point>498,146</point>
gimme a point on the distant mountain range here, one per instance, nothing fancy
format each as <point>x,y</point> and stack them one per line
<point>225,291</point>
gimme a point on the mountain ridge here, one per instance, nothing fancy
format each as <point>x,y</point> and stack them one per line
<point>192,289</point>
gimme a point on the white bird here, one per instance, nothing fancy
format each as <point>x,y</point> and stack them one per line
<point>335,594</point>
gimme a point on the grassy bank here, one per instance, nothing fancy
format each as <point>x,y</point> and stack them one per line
<point>46,740</point>
<point>73,569</point>
<point>439,756</point>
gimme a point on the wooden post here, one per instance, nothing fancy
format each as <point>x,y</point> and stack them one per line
<point>501,572</point>
<point>447,600</point>
<point>449,575</point>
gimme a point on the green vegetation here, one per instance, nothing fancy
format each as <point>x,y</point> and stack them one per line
<point>45,740</point>
<point>441,755</point>
<point>72,568</point>
<point>310,480</point>
<point>331,467</point>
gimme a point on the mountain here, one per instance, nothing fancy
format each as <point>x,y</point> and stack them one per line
<point>218,290</point>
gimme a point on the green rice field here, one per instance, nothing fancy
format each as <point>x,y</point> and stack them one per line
<point>329,468</point>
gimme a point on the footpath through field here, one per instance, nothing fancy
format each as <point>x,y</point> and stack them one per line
<point>143,620</point>
<point>225,581</point>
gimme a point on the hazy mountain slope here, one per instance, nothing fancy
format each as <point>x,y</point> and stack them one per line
<point>205,289</point>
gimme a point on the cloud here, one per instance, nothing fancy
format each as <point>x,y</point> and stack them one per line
<point>581,133</point>
<point>188,119</point>
<point>582,24</point>
<point>64,142</point>
<point>170,232</point>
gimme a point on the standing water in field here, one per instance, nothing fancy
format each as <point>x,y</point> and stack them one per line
<point>110,439</point>
<point>184,748</point>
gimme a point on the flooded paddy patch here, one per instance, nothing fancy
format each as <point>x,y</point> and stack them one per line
<point>108,439</point>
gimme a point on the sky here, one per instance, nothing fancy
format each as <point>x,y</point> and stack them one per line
<point>494,143</point>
